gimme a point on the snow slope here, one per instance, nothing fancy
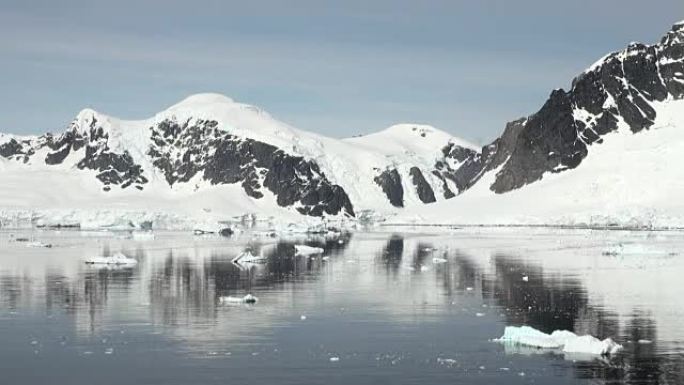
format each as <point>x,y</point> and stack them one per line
<point>351,163</point>
<point>628,180</point>
<point>31,184</point>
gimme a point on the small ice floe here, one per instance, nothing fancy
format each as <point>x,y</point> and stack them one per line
<point>479,314</point>
<point>525,278</point>
<point>37,244</point>
<point>302,317</point>
<point>469,288</point>
<point>325,258</point>
<point>334,359</point>
<point>437,260</point>
<point>446,361</point>
<point>143,235</point>
<point>424,268</point>
<point>237,300</point>
<point>303,250</point>
<point>247,257</point>
<point>563,340</point>
<point>644,342</point>
<point>114,259</point>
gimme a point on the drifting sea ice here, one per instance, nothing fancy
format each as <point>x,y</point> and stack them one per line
<point>37,244</point>
<point>566,341</point>
<point>116,259</point>
<point>237,300</point>
<point>303,250</point>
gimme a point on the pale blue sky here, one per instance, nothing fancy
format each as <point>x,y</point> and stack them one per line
<point>339,68</point>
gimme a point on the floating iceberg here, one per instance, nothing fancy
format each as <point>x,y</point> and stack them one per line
<point>38,244</point>
<point>115,259</point>
<point>246,299</point>
<point>303,250</point>
<point>566,341</point>
<point>437,260</point>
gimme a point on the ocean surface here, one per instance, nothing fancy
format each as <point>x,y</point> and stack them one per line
<point>387,306</point>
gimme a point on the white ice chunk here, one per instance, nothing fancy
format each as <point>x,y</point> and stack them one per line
<point>38,244</point>
<point>115,259</point>
<point>303,250</point>
<point>246,299</point>
<point>563,340</point>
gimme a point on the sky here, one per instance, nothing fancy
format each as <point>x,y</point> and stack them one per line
<point>339,68</point>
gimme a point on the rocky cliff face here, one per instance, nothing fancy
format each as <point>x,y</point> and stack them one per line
<point>183,151</point>
<point>620,88</point>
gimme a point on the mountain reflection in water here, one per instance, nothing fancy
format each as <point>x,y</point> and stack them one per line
<point>415,313</point>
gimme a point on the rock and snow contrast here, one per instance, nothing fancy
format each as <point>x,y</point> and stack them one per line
<point>209,154</point>
<point>606,152</point>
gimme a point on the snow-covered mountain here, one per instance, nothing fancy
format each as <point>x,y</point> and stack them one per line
<point>608,151</point>
<point>605,152</point>
<point>245,160</point>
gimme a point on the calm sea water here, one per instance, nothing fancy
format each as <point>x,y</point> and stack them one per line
<point>375,308</point>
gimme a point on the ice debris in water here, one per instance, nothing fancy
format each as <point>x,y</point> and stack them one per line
<point>525,278</point>
<point>436,260</point>
<point>564,340</point>
<point>39,244</point>
<point>115,259</point>
<point>446,361</point>
<point>303,250</point>
<point>334,359</point>
<point>302,317</point>
<point>246,299</point>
